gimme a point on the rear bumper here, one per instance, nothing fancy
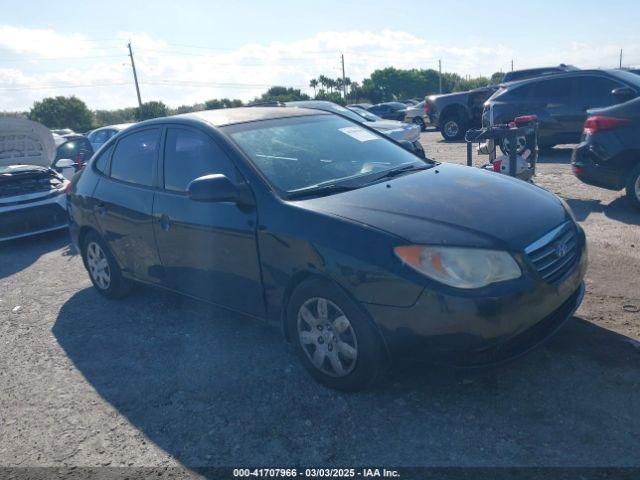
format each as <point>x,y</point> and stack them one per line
<point>482,330</point>
<point>31,218</point>
<point>587,166</point>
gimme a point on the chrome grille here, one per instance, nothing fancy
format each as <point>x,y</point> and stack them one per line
<point>555,253</point>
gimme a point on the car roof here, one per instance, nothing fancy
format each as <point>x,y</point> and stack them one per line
<point>563,74</point>
<point>119,126</point>
<point>230,116</point>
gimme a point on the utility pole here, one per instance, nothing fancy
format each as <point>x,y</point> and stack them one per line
<point>135,75</point>
<point>344,85</point>
<point>440,74</point>
<point>620,58</point>
<point>512,65</point>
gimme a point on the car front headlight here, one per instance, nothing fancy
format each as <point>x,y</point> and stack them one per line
<point>460,267</point>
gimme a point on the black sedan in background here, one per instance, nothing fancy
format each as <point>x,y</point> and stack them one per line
<point>390,110</point>
<point>609,155</point>
<point>359,250</point>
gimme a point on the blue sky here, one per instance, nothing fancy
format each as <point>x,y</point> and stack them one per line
<point>191,50</point>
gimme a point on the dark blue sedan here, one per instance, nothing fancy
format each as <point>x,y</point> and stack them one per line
<point>359,249</point>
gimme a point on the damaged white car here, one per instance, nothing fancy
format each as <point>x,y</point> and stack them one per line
<point>32,194</point>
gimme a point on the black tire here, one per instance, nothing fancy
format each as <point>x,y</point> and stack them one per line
<point>633,187</point>
<point>420,122</point>
<point>453,127</point>
<point>117,286</point>
<point>371,358</point>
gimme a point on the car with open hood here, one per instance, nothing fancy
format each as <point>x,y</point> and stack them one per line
<point>359,250</point>
<point>32,193</point>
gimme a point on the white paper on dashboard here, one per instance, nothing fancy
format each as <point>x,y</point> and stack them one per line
<point>359,134</point>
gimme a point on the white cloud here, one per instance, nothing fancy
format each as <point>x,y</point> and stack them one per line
<point>177,74</point>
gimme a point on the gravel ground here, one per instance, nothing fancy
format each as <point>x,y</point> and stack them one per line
<point>156,380</point>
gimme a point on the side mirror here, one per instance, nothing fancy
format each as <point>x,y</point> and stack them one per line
<point>218,188</point>
<point>623,93</point>
<point>65,163</point>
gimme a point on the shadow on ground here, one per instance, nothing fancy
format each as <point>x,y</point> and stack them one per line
<point>619,209</point>
<point>16,255</point>
<point>214,388</point>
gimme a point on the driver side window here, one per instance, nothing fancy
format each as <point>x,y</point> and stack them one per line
<point>190,154</point>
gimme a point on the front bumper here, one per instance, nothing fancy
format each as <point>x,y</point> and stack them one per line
<point>25,218</point>
<point>463,329</point>
<point>586,166</point>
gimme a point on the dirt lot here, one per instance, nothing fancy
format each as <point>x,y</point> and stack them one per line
<point>155,380</point>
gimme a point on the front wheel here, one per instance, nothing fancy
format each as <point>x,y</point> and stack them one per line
<point>333,338</point>
<point>104,271</point>
<point>633,187</point>
<point>420,122</point>
<point>453,127</point>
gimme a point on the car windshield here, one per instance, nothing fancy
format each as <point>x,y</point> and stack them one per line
<point>308,152</point>
<point>368,116</point>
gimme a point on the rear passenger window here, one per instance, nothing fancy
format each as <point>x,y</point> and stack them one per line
<point>557,89</point>
<point>134,158</point>
<point>190,154</point>
<point>102,161</point>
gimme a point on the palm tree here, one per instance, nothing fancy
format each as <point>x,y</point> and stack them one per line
<point>323,81</point>
<point>313,83</point>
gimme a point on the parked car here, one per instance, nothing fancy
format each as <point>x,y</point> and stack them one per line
<point>391,128</point>
<point>536,72</point>
<point>360,251</point>
<point>418,115</point>
<point>63,131</point>
<point>100,135</point>
<point>560,101</point>
<point>454,113</point>
<point>389,110</point>
<point>32,194</point>
<point>609,154</point>
<point>72,154</point>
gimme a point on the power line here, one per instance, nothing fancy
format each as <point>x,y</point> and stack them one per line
<point>54,87</point>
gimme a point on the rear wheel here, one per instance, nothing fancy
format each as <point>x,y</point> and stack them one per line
<point>333,338</point>
<point>420,122</point>
<point>453,127</point>
<point>104,272</point>
<point>633,187</point>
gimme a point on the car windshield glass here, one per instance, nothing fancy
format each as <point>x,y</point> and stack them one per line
<point>299,153</point>
<point>368,116</point>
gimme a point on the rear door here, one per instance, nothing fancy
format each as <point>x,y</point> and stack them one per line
<point>208,250</point>
<point>124,202</point>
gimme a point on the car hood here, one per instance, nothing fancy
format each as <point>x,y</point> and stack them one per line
<point>451,204</point>
<point>23,142</point>
<point>396,130</point>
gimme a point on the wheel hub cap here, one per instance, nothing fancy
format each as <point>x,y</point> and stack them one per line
<point>98,265</point>
<point>327,337</point>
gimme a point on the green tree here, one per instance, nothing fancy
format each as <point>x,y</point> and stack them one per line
<point>497,78</point>
<point>113,117</point>
<point>215,103</point>
<point>151,109</point>
<point>62,112</point>
<point>282,94</point>
<point>313,83</point>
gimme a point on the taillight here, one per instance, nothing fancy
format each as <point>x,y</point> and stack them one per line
<point>427,108</point>
<point>577,170</point>
<point>600,123</point>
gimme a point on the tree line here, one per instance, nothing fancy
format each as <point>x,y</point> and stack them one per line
<point>387,84</point>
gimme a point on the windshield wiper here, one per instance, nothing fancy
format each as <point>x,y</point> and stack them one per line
<point>394,172</point>
<point>321,190</point>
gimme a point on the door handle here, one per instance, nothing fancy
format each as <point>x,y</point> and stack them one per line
<point>101,209</point>
<point>165,222</point>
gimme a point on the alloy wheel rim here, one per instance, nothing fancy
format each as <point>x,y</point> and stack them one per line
<point>451,128</point>
<point>637,187</point>
<point>98,265</point>
<point>327,337</point>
